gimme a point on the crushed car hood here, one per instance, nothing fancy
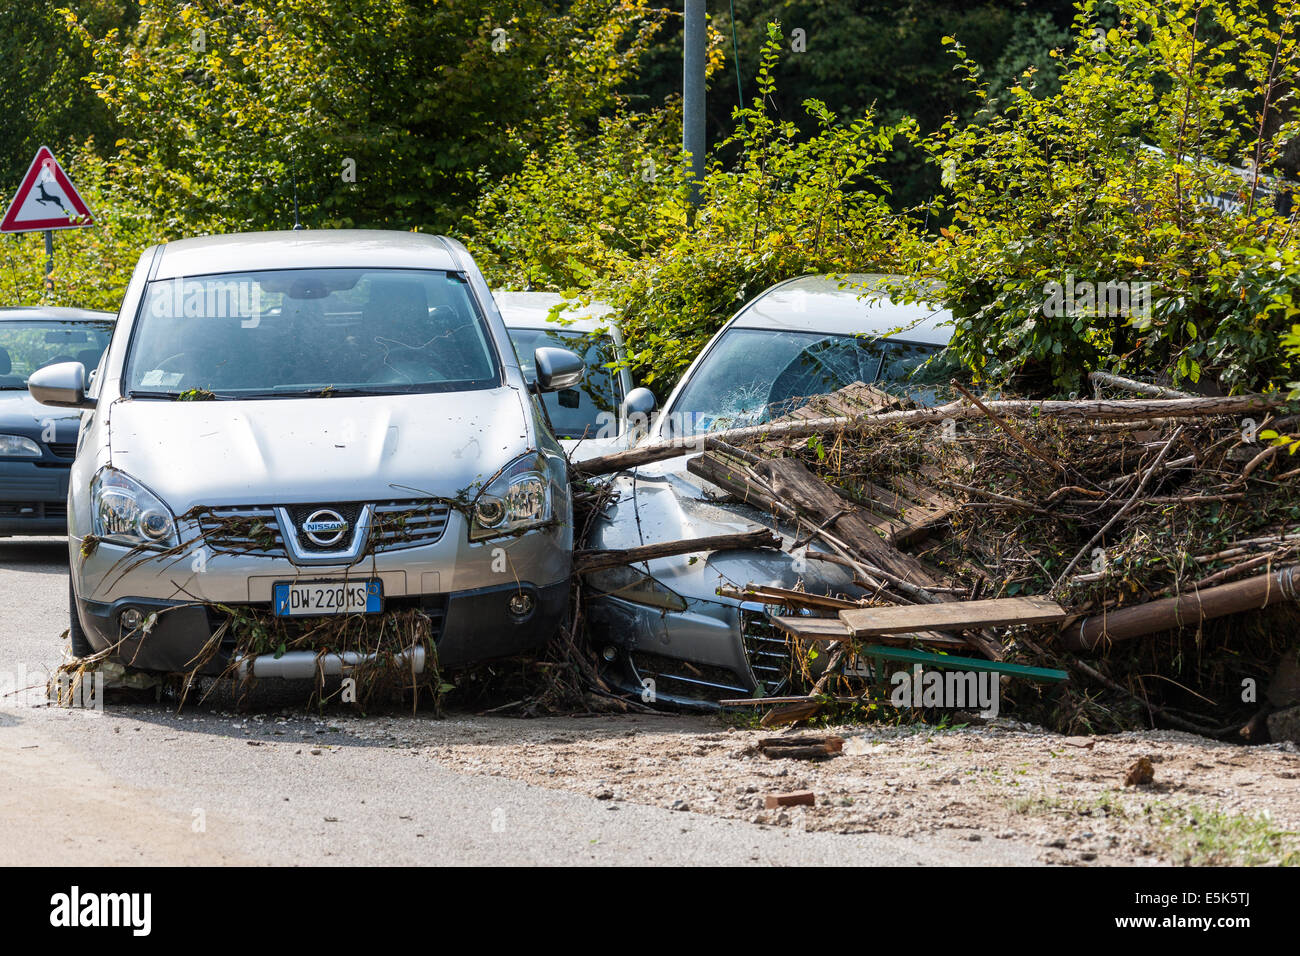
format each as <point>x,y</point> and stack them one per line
<point>664,502</point>
<point>286,451</point>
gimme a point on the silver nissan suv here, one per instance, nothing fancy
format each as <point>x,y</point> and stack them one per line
<point>312,423</point>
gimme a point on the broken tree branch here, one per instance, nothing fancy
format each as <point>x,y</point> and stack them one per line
<point>1128,506</point>
<point>1097,410</point>
<point>1182,611</point>
<point>1007,427</point>
<point>1132,385</point>
<point>596,560</point>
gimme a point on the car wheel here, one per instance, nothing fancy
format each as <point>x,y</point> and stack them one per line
<point>80,645</point>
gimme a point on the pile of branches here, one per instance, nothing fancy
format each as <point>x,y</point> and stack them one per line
<point>1163,523</point>
<point>1171,541</point>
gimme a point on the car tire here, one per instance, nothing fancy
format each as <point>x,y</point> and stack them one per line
<point>80,644</point>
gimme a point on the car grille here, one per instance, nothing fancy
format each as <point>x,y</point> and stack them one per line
<point>34,510</point>
<point>299,514</point>
<point>63,449</point>
<point>408,524</point>
<point>255,529</point>
<point>767,651</point>
<point>242,530</point>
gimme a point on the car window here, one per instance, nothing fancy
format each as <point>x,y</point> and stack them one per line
<point>309,332</point>
<point>583,411</point>
<point>750,376</point>
<point>26,345</point>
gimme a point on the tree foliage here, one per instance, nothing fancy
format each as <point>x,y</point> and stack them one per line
<point>1108,180</point>
<point>379,112</point>
<point>611,217</point>
<point>91,266</point>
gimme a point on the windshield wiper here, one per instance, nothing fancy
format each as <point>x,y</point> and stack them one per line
<point>176,396</point>
<point>324,391</point>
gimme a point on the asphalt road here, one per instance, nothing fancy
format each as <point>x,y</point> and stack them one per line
<point>145,785</point>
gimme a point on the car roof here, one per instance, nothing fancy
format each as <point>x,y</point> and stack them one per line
<point>531,310</point>
<point>845,304</point>
<point>55,313</point>
<point>305,249</point>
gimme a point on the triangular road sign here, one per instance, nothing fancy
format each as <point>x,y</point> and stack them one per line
<point>46,199</point>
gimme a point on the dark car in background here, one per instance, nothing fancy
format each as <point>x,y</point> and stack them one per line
<point>37,444</point>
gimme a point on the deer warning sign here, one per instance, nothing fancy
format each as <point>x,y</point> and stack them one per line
<point>46,199</point>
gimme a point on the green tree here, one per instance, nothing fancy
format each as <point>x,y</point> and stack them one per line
<point>44,100</point>
<point>1107,180</point>
<point>609,216</point>
<point>382,112</point>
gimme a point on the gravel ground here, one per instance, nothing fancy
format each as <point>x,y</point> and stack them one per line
<point>1065,796</point>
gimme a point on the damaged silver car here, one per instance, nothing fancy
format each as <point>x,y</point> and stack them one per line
<point>661,627</point>
<point>306,425</point>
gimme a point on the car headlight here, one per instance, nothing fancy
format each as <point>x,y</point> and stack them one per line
<point>517,499</point>
<point>18,446</point>
<point>124,511</point>
<point>636,586</point>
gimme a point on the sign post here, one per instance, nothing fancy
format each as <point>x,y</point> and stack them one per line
<point>46,200</point>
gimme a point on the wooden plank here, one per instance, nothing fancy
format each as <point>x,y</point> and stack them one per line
<point>769,594</point>
<point>595,560</point>
<point>871,621</point>
<point>813,628</point>
<point>907,655</point>
<point>832,629</point>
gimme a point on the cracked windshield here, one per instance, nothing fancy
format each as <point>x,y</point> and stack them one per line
<point>754,375</point>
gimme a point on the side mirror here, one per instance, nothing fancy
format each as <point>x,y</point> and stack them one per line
<point>639,401</point>
<point>557,369</point>
<point>62,386</point>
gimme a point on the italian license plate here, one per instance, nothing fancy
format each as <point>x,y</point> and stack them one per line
<point>321,598</point>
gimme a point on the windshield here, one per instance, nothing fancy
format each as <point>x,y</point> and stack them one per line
<point>751,376</point>
<point>27,345</point>
<point>583,411</point>
<point>309,332</point>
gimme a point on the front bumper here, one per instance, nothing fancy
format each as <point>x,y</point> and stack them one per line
<point>691,658</point>
<point>33,497</point>
<point>462,586</point>
<point>468,626</point>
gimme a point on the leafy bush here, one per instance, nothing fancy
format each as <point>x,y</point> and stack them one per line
<point>1106,181</point>
<point>611,217</point>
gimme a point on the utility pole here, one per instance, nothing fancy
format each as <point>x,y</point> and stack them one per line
<point>694,41</point>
